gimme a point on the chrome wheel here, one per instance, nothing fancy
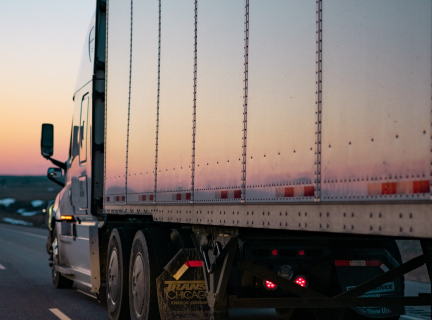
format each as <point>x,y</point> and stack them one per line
<point>113,277</point>
<point>55,257</point>
<point>138,284</point>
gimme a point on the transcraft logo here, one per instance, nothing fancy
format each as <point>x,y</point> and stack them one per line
<point>185,290</point>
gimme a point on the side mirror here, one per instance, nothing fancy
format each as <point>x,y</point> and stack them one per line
<point>55,173</point>
<point>47,140</point>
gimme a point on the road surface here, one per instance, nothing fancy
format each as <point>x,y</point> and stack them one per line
<point>26,291</point>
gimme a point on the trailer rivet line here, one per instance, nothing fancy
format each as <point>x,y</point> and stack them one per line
<point>129,100</point>
<point>319,35</point>
<point>194,102</point>
<point>157,104</point>
<point>245,103</point>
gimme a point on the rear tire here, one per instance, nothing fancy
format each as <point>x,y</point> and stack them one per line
<point>151,251</point>
<point>59,281</point>
<point>117,273</point>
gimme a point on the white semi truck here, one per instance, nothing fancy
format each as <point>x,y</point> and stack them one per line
<point>248,154</point>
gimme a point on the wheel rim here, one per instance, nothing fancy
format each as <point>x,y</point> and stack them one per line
<point>113,277</point>
<point>138,284</point>
<point>55,257</point>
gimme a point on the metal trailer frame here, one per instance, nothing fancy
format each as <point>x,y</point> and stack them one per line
<point>389,218</point>
<point>384,167</point>
<point>385,219</point>
<point>389,207</point>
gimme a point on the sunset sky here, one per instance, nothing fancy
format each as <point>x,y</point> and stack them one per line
<point>41,44</point>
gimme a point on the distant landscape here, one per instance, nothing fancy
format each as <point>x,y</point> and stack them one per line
<point>23,201</point>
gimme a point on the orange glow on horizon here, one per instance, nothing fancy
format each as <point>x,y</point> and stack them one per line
<point>39,66</point>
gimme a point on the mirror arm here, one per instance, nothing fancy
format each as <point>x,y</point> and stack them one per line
<point>56,181</point>
<point>57,163</point>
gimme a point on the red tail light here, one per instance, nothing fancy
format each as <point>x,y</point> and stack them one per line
<point>270,285</point>
<point>301,281</point>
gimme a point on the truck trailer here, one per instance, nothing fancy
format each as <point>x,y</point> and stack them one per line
<point>247,154</point>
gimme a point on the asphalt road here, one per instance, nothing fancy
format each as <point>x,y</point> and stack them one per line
<point>26,291</point>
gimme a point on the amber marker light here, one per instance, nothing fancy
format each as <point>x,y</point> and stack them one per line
<point>66,218</point>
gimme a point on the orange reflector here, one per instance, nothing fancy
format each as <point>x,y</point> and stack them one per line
<point>389,188</point>
<point>400,187</point>
<point>186,266</point>
<point>181,271</point>
<point>342,263</point>
<point>66,218</point>
<point>301,281</point>
<point>291,192</point>
<point>270,285</point>
<point>421,186</point>
<point>357,263</point>
<point>309,191</point>
<point>194,263</point>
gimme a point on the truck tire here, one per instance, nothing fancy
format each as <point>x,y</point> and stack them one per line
<point>117,273</point>
<point>151,251</point>
<point>59,281</point>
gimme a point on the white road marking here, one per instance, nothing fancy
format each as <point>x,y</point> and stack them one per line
<point>59,314</point>
<point>28,234</point>
<point>2,267</point>
<point>87,294</point>
<point>410,318</point>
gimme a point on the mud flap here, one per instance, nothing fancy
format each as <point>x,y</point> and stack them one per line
<point>181,288</point>
<point>350,277</point>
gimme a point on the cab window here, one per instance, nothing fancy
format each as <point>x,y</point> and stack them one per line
<point>83,129</point>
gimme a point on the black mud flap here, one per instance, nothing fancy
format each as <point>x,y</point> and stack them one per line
<point>352,276</point>
<point>182,289</point>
